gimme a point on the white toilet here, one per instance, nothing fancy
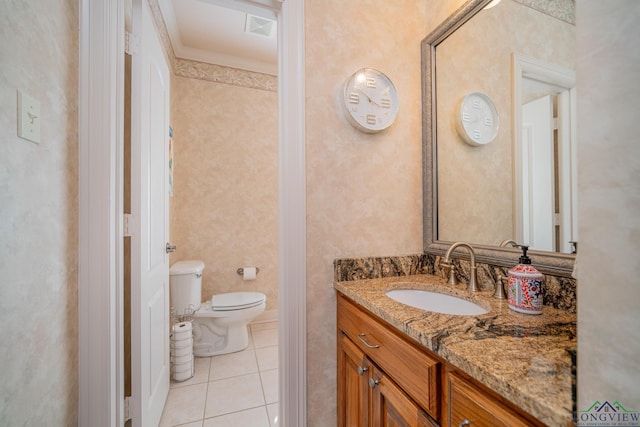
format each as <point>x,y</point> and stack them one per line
<point>219,324</point>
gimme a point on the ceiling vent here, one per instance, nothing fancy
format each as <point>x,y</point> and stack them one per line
<point>259,26</point>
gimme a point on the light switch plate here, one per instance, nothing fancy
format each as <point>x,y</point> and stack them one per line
<point>28,118</point>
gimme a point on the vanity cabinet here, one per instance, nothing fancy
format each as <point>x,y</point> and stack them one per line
<point>385,379</point>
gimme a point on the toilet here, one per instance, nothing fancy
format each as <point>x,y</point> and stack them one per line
<point>219,324</point>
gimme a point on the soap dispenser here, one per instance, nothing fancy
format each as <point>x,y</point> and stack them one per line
<point>525,286</point>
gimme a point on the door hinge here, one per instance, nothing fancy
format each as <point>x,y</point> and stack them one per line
<point>126,225</point>
<point>131,43</point>
<point>127,410</point>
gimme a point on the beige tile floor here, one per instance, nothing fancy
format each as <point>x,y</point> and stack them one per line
<point>238,389</point>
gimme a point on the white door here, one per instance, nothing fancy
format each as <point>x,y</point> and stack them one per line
<point>150,216</point>
<point>538,188</point>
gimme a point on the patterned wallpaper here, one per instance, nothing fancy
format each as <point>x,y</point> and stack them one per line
<point>224,210</point>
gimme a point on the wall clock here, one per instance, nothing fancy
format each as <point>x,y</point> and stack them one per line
<point>476,119</point>
<point>370,100</point>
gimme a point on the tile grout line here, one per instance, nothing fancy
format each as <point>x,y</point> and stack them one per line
<point>264,394</point>
<point>255,354</point>
<point>206,393</point>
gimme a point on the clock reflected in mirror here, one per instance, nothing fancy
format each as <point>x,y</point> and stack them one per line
<point>370,100</point>
<point>476,119</point>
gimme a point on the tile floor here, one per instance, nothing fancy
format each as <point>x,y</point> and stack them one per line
<point>234,390</point>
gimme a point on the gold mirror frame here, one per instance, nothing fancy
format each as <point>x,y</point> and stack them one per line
<point>553,263</point>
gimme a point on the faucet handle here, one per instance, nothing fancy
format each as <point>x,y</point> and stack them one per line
<point>447,267</point>
<point>499,292</point>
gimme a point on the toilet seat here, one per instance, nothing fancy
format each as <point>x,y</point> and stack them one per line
<point>237,301</point>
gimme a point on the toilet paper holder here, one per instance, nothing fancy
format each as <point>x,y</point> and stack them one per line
<point>240,271</point>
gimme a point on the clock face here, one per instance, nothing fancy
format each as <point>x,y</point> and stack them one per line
<point>370,100</point>
<point>477,119</point>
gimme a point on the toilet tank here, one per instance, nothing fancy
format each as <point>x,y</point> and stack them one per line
<point>186,285</point>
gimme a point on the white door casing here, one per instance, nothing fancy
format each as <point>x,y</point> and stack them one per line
<point>567,170</point>
<point>150,97</point>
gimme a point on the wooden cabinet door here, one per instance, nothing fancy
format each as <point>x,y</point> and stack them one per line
<point>413,369</point>
<point>354,371</point>
<point>471,406</point>
<point>392,407</point>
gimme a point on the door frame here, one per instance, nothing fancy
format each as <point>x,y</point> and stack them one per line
<point>523,66</point>
<point>100,229</point>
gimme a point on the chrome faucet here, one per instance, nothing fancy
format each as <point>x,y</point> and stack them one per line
<point>508,242</point>
<point>447,265</point>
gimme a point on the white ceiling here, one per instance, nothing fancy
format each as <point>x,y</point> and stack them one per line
<point>213,31</point>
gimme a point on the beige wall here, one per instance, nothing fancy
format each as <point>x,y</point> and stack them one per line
<point>608,67</point>
<point>38,216</point>
<point>363,190</point>
<point>225,205</point>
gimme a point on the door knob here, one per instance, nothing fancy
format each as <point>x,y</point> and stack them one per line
<point>362,370</point>
<point>170,248</point>
<point>373,383</point>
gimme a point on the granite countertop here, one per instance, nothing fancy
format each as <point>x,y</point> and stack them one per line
<point>524,358</point>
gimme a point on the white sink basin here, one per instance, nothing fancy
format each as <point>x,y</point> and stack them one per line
<point>434,301</point>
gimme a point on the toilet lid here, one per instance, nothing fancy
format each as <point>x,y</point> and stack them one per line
<point>237,300</point>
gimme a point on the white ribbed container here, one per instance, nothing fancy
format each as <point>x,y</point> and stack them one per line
<point>182,367</point>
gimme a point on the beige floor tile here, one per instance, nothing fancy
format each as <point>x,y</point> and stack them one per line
<point>267,358</point>
<point>270,385</point>
<point>255,417</point>
<point>233,365</point>
<point>184,405</point>
<point>236,393</point>
<point>233,394</point>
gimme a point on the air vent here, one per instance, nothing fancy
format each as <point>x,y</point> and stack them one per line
<point>259,26</point>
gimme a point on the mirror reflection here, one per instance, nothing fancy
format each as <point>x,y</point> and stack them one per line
<point>520,186</point>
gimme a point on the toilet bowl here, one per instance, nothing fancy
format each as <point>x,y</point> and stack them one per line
<point>219,324</point>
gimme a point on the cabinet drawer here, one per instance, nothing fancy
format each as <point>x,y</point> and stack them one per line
<point>411,368</point>
<point>469,403</point>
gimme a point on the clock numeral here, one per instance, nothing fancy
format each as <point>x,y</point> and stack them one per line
<point>476,103</point>
<point>370,82</point>
<point>385,103</point>
<point>476,134</point>
<point>371,119</point>
<point>488,122</point>
<point>466,117</point>
<point>354,98</point>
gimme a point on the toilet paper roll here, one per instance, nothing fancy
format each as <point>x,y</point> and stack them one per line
<point>182,335</point>
<point>180,360</point>
<point>248,273</point>
<point>182,327</point>
<point>184,374</point>
<point>182,351</point>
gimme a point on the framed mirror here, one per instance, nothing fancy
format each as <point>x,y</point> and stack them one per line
<point>515,52</point>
